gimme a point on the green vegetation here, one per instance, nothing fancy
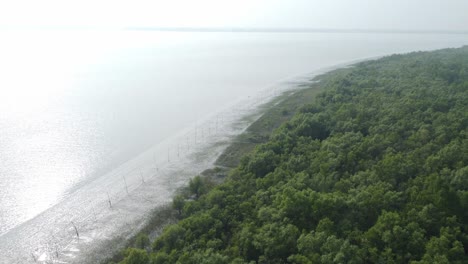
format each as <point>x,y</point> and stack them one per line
<point>274,114</point>
<point>374,170</point>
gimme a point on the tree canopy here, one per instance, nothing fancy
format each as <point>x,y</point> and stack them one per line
<point>373,171</point>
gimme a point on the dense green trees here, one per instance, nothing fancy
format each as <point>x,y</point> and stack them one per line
<point>374,171</point>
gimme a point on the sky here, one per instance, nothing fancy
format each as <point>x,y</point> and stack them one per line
<point>329,14</point>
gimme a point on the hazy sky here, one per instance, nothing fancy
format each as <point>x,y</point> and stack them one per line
<point>363,14</point>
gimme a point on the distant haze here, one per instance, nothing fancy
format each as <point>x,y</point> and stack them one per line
<point>329,14</point>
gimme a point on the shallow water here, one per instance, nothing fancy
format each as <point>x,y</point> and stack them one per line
<point>92,116</point>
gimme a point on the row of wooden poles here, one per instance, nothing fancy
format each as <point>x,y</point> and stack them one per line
<point>199,135</point>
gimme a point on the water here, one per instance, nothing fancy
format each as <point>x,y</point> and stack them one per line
<point>87,114</point>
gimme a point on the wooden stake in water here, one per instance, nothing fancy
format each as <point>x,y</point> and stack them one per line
<point>142,178</point>
<point>126,187</point>
<point>109,200</point>
<point>76,230</point>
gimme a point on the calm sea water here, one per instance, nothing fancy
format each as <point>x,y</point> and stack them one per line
<point>74,105</point>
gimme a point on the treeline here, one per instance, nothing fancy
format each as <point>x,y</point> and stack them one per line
<point>373,171</point>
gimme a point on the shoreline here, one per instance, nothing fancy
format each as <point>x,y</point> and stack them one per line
<point>100,226</point>
<point>315,178</point>
<point>263,122</point>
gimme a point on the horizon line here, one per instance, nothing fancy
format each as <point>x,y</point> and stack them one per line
<point>244,29</point>
<point>295,30</point>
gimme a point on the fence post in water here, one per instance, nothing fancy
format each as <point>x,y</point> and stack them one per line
<point>109,200</point>
<point>126,187</point>
<point>76,230</point>
<point>142,178</point>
